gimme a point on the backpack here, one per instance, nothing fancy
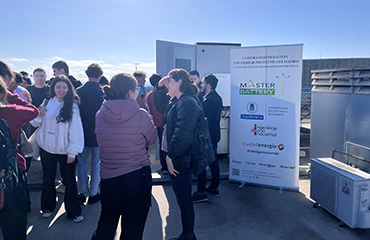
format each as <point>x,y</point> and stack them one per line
<point>202,149</point>
<point>7,153</point>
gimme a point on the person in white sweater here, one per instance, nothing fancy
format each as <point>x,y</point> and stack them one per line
<point>60,138</point>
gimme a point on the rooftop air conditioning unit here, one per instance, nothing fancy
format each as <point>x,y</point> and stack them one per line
<point>342,190</point>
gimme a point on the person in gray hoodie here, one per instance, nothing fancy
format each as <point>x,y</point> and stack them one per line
<point>124,131</point>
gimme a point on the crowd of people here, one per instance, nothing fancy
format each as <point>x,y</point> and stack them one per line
<point>112,124</point>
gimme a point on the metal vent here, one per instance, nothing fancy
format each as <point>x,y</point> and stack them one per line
<point>324,187</point>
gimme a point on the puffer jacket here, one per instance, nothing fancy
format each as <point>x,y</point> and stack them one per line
<point>123,133</point>
<point>180,116</point>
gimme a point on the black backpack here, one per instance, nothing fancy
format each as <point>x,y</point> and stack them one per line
<point>7,153</point>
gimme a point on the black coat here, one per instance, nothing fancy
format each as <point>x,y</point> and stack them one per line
<point>212,107</point>
<point>180,116</point>
<point>91,97</point>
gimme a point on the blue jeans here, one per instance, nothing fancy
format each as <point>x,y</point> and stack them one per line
<point>215,172</point>
<point>127,196</point>
<point>83,162</point>
<point>182,186</point>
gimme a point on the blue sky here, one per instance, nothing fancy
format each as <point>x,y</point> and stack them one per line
<point>117,33</point>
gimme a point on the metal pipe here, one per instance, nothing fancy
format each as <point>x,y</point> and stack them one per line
<point>348,154</point>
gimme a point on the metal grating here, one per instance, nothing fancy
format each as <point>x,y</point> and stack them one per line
<point>324,187</point>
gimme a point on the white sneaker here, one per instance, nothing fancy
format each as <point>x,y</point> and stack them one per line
<point>78,219</point>
<point>46,214</point>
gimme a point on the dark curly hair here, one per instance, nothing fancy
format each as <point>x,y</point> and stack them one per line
<point>65,114</point>
<point>186,84</point>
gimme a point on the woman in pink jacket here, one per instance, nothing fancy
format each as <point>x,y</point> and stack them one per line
<point>124,131</point>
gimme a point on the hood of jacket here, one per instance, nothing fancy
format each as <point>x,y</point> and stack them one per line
<point>118,111</point>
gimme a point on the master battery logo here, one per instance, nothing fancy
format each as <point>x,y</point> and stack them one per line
<point>252,88</point>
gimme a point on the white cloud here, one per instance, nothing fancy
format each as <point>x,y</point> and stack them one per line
<point>17,60</point>
<point>77,67</point>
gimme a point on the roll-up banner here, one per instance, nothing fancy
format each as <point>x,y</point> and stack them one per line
<point>265,115</point>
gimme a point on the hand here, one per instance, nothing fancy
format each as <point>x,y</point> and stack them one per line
<point>163,81</point>
<point>12,85</point>
<point>70,160</point>
<point>171,170</point>
<point>42,110</point>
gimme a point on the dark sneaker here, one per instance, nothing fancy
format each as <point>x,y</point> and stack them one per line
<point>82,199</point>
<point>214,191</point>
<point>94,199</point>
<point>199,197</point>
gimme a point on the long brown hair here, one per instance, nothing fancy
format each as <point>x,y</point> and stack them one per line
<point>66,112</point>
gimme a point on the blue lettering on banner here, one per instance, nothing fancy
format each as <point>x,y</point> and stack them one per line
<point>251,117</point>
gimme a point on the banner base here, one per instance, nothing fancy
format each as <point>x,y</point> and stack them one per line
<point>281,188</point>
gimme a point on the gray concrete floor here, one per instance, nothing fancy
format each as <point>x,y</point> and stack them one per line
<point>249,212</point>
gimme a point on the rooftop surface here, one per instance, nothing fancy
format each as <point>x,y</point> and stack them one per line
<point>248,212</point>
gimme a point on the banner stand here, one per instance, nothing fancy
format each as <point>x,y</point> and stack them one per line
<point>280,188</point>
<point>265,112</point>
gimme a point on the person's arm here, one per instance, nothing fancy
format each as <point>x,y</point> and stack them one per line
<point>20,108</point>
<point>140,101</point>
<point>183,136</point>
<point>161,98</point>
<point>148,129</point>
<point>42,111</point>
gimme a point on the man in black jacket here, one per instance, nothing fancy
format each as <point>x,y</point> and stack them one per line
<point>91,97</point>
<point>61,67</point>
<point>212,107</point>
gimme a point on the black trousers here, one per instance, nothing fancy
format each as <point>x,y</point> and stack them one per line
<point>162,154</point>
<point>129,197</point>
<point>13,217</point>
<point>68,172</point>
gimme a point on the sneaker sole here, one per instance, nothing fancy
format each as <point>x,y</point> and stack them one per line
<point>215,195</point>
<point>46,214</point>
<point>201,200</point>
<point>78,220</point>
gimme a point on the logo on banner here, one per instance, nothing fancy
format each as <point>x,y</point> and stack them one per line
<point>252,107</point>
<point>267,165</point>
<point>264,131</point>
<point>263,145</point>
<point>287,167</point>
<point>236,161</point>
<point>282,80</point>
<point>250,163</point>
<point>251,88</point>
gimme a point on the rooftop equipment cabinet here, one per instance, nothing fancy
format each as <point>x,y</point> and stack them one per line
<point>340,119</point>
<point>207,58</point>
<point>340,112</point>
